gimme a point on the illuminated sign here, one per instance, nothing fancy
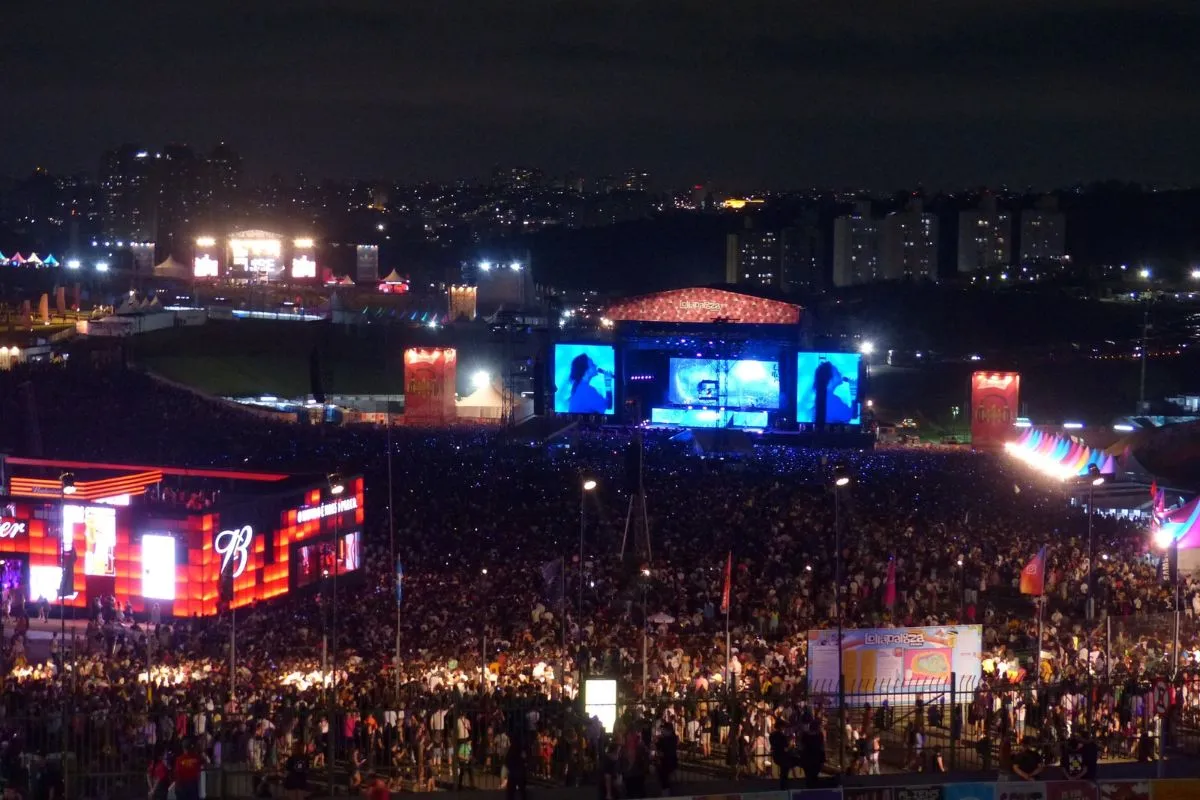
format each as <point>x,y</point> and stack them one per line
<point>699,305</point>
<point>233,546</point>
<point>12,528</point>
<point>309,513</point>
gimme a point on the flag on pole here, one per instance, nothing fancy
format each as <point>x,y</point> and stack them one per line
<point>1033,577</point>
<point>399,581</point>
<point>553,573</point>
<point>889,592</point>
<point>1154,489</point>
<point>728,583</point>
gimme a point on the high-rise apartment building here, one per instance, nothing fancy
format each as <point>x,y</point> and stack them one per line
<point>635,180</point>
<point>1043,232</point>
<point>785,260</point>
<point>984,237</point>
<point>856,247</point>
<point>222,179</point>
<point>910,244</point>
<point>128,196</point>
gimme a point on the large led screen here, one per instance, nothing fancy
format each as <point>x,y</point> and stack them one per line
<point>315,561</point>
<point>829,382</point>
<point>94,530</point>
<point>743,383</point>
<point>44,582</point>
<point>584,379</point>
<point>158,567</point>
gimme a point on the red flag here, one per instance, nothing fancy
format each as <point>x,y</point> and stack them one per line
<point>1033,577</point>
<point>889,592</point>
<point>1154,489</point>
<point>728,583</point>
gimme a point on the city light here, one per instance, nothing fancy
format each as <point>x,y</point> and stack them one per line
<point>102,266</point>
<point>867,348</point>
<point>205,241</point>
<point>515,266</point>
<point>1144,274</point>
<point>73,263</point>
<point>481,379</point>
<point>486,266</point>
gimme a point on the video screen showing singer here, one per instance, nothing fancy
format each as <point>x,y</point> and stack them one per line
<point>583,397</point>
<point>832,391</point>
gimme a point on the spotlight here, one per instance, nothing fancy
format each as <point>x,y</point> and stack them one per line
<point>1094,473</point>
<point>481,379</point>
<point>336,485</point>
<point>840,476</point>
<point>67,480</point>
<point>588,485</point>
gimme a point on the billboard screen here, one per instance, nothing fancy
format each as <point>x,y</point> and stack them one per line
<point>995,401</point>
<point>584,379</point>
<point>92,529</point>
<point>315,561</point>
<point>895,659</point>
<point>158,567</point>
<point>44,582</point>
<point>430,375</point>
<point>744,383</point>
<point>827,388</point>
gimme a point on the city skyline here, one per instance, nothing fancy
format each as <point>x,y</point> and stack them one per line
<point>761,94</point>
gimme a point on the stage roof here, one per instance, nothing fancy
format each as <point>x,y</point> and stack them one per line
<point>704,305</point>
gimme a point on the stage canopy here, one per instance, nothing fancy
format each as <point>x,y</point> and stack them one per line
<point>1059,456</point>
<point>703,305</point>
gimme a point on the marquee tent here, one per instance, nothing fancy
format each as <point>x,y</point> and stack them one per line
<point>170,268</point>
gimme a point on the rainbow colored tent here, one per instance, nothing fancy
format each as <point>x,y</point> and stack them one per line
<point>1181,525</point>
<point>1059,456</point>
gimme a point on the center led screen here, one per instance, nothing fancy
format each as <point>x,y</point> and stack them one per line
<point>316,559</point>
<point>719,382</point>
<point>95,529</point>
<point>828,382</point>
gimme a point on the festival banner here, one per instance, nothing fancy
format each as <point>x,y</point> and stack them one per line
<point>895,659</point>
<point>1071,790</point>
<point>1125,790</point>
<point>1033,576</point>
<point>919,793</point>
<point>995,399</point>
<point>969,791</point>
<point>1021,790</point>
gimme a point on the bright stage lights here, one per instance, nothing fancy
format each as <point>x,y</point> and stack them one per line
<point>481,379</point>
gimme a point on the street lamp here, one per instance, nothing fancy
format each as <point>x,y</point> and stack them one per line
<point>1094,479</point>
<point>588,485</point>
<point>67,481</point>
<point>841,479</point>
<point>645,629</point>
<point>336,487</point>
<point>962,591</point>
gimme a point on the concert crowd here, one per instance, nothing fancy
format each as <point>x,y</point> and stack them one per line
<point>500,619</point>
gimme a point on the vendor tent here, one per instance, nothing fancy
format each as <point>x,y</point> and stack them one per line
<point>170,268</point>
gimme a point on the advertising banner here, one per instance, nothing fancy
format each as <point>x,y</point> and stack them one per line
<point>1071,790</point>
<point>430,376</point>
<point>868,793</point>
<point>969,791</point>
<point>891,659</point>
<point>1021,790</point>
<point>995,404</point>
<point>919,793</point>
<point>1125,790</point>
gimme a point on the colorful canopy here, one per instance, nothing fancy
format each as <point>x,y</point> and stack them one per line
<point>1059,456</point>
<point>1181,525</point>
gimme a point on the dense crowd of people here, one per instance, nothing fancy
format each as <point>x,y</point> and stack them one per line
<point>501,618</point>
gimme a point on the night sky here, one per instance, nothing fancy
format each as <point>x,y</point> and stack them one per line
<point>743,93</point>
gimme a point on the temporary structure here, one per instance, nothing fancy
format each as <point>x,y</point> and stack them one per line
<point>170,268</point>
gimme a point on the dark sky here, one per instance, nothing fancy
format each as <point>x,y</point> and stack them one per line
<point>742,92</point>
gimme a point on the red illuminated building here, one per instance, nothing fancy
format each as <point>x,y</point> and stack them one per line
<point>147,535</point>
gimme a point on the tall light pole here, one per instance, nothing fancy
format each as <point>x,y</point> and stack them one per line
<point>336,488</point>
<point>841,479</point>
<point>1167,541</point>
<point>589,485</point>
<point>645,628</point>
<point>1094,479</point>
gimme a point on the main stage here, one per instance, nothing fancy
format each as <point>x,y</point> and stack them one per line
<point>713,359</point>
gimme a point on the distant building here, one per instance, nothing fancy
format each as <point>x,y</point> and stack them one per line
<point>984,238</point>
<point>1043,232</point>
<point>635,180</point>
<point>787,260</point>
<point>516,178</point>
<point>128,196</point>
<point>856,247</point>
<point>910,244</point>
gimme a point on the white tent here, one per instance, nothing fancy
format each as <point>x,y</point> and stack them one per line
<point>172,269</point>
<point>393,277</point>
<point>484,404</point>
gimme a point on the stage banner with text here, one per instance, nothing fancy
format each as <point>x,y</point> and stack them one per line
<point>1071,790</point>
<point>1021,790</point>
<point>919,793</point>
<point>995,404</point>
<point>430,377</point>
<point>920,660</point>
